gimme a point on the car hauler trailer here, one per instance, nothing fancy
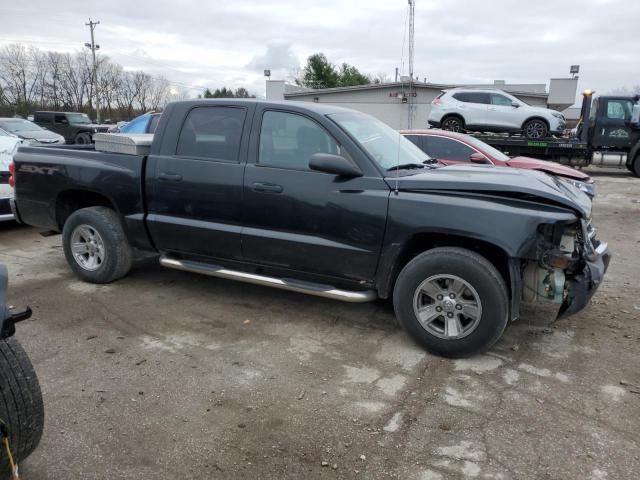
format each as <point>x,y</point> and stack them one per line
<point>607,135</point>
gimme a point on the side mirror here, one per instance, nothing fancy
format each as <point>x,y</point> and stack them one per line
<point>515,104</point>
<point>334,164</point>
<point>477,157</point>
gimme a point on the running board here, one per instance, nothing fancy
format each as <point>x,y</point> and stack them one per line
<point>309,288</point>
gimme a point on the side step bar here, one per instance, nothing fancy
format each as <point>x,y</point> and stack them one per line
<point>309,288</point>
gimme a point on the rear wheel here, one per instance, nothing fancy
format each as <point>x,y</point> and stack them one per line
<point>453,124</point>
<point>95,245</point>
<point>83,139</point>
<point>452,301</point>
<point>21,407</point>
<point>535,128</point>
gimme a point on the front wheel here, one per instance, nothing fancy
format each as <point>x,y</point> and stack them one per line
<point>21,407</point>
<point>452,301</point>
<point>95,245</point>
<point>535,128</point>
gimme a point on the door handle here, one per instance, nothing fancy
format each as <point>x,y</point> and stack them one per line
<point>267,187</point>
<point>170,177</point>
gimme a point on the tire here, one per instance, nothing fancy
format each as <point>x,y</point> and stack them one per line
<point>635,166</point>
<point>479,280</point>
<point>21,406</point>
<point>83,139</point>
<point>453,123</point>
<point>102,251</point>
<point>535,128</point>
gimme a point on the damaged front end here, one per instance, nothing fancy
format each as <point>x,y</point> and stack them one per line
<point>570,265</point>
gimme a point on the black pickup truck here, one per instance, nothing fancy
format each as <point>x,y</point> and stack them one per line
<point>326,201</point>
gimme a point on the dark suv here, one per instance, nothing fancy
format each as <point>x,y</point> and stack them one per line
<point>75,127</point>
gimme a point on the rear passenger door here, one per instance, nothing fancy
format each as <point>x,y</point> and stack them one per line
<point>307,221</point>
<point>473,107</point>
<point>195,189</point>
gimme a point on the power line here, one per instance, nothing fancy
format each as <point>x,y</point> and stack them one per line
<point>94,47</point>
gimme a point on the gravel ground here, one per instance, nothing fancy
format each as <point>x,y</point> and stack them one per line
<point>167,374</point>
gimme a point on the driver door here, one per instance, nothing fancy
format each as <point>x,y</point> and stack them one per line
<point>612,125</point>
<point>303,220</point>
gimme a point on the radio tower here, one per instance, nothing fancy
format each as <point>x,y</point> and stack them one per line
<point>412,14</point>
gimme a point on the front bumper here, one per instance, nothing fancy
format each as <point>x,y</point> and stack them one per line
<point>583,285</point>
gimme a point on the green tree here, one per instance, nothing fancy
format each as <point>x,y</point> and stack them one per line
<point>208,94</point>
<point>242,93</point>
<point>350,75</point>
<point>320,73</point>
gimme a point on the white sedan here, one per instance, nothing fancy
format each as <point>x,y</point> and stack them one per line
<point>8,147</point>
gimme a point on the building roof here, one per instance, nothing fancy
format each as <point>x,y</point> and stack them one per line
<point>417,85</point>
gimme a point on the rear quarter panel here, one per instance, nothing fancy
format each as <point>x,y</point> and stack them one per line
<point>43,174</point>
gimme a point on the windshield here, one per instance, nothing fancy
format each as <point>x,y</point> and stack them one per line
<point>488,149</point>
<point>385,145</point>
<point>16,125</point>
<point>78,118</point>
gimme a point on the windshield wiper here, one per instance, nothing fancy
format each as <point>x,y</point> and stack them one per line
<point>406,166</point>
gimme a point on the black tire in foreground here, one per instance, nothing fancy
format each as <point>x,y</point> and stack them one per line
<point>452,301</point>
<point>21,405</point>
<point>635,166</point>
<point>95,245</point>
<point>535,128</point>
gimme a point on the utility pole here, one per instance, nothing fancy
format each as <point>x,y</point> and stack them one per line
<point>94,47</point>
<point>412,15</point>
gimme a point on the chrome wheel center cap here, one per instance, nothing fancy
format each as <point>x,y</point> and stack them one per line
<point>448,305</point>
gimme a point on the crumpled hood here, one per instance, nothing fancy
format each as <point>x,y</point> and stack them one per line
<point>501,181</point>
<point>548,167</point>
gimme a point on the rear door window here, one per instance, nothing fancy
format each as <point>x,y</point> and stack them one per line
<point>448,149</point>
<point>212,133</point>
<point>472,97</point>
<point>60,118</point>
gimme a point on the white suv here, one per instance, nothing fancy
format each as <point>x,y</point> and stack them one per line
<point>492,111</point>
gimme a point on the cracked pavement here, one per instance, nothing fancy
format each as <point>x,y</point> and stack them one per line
<point>167,374</point>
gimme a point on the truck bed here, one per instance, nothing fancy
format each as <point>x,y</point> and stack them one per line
<point>44,175</point>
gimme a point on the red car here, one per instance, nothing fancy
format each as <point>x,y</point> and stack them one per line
<point>449,148</point>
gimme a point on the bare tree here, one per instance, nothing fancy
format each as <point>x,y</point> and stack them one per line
<point>32,79</point>
<point>159,92</point>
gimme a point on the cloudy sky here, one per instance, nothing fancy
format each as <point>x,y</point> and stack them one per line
<point>197,44</point>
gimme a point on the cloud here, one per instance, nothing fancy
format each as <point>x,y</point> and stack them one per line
<point>278,56</point>
<point>199,43</point>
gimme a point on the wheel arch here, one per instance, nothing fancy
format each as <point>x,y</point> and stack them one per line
<point>536,117</point>
<point>73,199</point>
<point>508,267</point>
<point>453,114</point>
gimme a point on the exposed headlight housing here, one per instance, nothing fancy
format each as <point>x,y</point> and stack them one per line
<point>588,188</point>
<point>558,115</point>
